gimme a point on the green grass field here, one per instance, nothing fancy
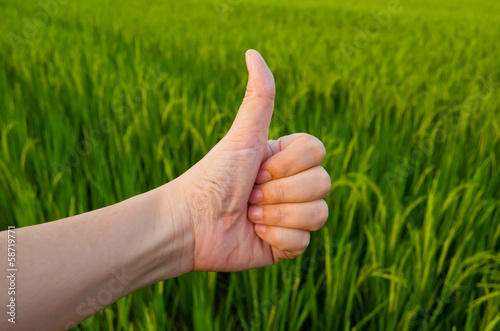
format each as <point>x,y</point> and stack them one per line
<point>102,100</point>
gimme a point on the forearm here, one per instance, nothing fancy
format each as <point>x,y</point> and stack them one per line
<point>68,270</point>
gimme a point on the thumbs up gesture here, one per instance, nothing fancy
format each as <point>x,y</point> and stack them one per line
<point>250,201</point>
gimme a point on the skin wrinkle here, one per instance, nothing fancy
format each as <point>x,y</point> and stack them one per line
<point>279,217</point>
<point>280,192</point>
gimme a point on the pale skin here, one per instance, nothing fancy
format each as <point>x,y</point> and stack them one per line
<point>248,203</point>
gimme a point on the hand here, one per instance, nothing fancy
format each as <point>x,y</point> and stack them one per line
<point>252,202</point>
<point>248,203</point>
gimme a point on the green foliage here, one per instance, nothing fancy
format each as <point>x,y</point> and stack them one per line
<point>106,99</point>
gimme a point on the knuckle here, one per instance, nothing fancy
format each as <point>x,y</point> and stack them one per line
<point>325,183</point>
<point>301,135</point>
<point>325,211</point>
<point>284,167</point>
<point>322,215</point>
<point>279,191</point>
<point>278,215</point>
<point>306,238</point>
<point>317,149</point>
<point>291,255</point>
<point>280,240</point>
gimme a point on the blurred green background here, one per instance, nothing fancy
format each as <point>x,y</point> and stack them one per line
<point>102,100</point>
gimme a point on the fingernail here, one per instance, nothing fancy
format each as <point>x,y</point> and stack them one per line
<point>260,228</point>
<point>255,213</point>
<point>248,58</point>
<point>263,176</point>
<point>256,196</point>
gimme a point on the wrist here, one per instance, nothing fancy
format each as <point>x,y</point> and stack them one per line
<point>163,241</point>
<point>171,232</point>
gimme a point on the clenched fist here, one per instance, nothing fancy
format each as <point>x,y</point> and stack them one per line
<point>252,202</point>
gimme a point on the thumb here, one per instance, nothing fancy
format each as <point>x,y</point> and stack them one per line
<point>256,110</point>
